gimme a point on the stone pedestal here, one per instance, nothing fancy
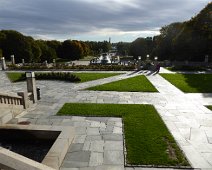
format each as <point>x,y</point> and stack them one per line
<point>31,86</point>
<point>22,61</point>
<point>54,62</point>
<point>3,63</point>
<point>12,59</point>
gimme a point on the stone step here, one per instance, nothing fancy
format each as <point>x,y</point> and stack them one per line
<point>14,109</point>
<point>5,116</point>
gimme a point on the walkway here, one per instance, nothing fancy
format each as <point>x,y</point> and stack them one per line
<point>99,142</point>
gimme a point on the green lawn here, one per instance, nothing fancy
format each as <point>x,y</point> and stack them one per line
<point>191,83</point>
<point>94,76</point>
<point>15,77</point>
<point>209,107</point>
<point>148,140</point>
<point>134,84</point>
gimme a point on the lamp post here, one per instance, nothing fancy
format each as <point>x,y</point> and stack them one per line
<point>156,60</point>
<point>139,63</point>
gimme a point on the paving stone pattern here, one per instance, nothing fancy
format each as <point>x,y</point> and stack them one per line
<point>98,144</point>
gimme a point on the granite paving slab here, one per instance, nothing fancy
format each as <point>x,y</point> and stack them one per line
<point>98,143</point>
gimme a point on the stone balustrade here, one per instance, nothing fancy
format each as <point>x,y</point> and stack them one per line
<point>10,99</point>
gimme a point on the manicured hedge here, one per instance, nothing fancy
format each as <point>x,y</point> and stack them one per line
<point>75,67</point>
<point>57,76</point>
<point>15,77</point>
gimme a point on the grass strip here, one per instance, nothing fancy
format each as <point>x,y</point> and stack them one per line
<point>83,77</point>
<point>94,76</point>
<point>148,140</point>
<point>133,84</point>
<point>190,83</point>
<point>16,77</point>
<point>209,107</point>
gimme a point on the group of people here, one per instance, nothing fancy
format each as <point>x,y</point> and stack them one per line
<point>153,67</point>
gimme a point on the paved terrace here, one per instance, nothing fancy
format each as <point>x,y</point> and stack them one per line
<point>98,144</point>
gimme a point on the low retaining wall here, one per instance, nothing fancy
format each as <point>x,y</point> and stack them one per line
<point>52,160</point>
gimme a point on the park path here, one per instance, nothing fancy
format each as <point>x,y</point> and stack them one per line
<point>189,122</point>
<point>98,143</point>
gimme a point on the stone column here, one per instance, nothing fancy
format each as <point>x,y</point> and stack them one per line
<point>12,59</point>
<point>31,86</point>
<point>22,61</point>
<point>54,62</point>
<point>3,63</point>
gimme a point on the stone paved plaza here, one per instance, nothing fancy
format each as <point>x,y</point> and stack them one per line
<point>98,144</point>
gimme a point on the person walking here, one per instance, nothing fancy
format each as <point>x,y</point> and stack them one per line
<point>157,68</point>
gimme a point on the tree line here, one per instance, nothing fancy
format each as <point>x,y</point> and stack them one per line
<point>190,40</point>
<point>25,47</point>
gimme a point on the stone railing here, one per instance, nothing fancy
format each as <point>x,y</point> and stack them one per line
<point>19,99</point>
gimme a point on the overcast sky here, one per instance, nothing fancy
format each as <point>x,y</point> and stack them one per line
<point>94,20</point>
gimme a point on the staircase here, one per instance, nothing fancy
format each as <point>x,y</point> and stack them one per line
<point>10,106</point>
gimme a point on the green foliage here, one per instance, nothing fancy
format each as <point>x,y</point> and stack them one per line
<point>123,48</point>
<point>54,45</point>
<point>98,47</point>
<point>57,76</point>
<point>134,84</point>
<point>70,50</point>
<point>146,136</point>
<point>24,47</point>
<point>47,53</point>
<point>186,68</point>
<point>163,43</point>
<point>141,47</point>
<point>191,83</point>
<point>1,53</point>
<point>190,40</point>
<point>14,43</point>
<point>35,50</point>
<point>74,67</point>
<point>72,77</point>
<point>16,77</point>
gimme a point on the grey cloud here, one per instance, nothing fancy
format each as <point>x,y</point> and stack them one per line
<point>67,17</point>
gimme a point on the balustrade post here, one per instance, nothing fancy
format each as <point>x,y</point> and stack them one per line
<point>24,100</point>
